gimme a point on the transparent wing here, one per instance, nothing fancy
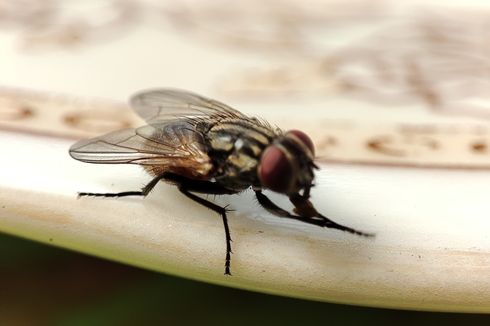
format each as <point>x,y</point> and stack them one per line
<point>169,146</point>
<point>160,105</point>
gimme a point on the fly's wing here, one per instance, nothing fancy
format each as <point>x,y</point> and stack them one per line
<point>174,146</point>
<point>161,105</point>
<point>171,141</point>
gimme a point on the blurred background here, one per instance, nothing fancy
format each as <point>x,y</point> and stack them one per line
<point>366,61</point>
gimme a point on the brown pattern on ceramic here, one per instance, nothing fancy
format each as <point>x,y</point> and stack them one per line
<point>11,110</point>
<point>430,145</point>
<point>59,116</point>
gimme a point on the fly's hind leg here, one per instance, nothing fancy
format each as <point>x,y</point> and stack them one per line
<point>144,192</point>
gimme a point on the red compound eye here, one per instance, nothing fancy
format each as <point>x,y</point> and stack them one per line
<point>304,139</point>
<point>275,170</point>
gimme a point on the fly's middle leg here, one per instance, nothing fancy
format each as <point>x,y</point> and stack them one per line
<point>222,211</point>
<point>189,186</point>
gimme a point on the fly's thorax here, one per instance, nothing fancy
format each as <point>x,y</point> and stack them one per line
<point>236,147</point>
<point>286,166</point>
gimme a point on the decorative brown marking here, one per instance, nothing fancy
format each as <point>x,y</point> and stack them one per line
<point>479,147</point>
<point>456,145</point>
<point>12,111</point>
<point>382,144</point>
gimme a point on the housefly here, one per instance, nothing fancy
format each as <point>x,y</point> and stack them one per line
<point>203,146</point>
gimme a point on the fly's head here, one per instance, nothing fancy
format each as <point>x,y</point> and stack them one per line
<point>286,166</point>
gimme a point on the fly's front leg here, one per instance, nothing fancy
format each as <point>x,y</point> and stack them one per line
<point>272,208</point>
<point>305,208</point>
<point>306,213</point>
<point>144,192</point>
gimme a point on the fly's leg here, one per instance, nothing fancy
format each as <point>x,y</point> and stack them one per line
<point>188,186</point>
<point>197,186</point>
<point>272,208</point>
<point>315,219</point>
<point>305,208</point>
<point>145,191</point>
<point>220,210</point>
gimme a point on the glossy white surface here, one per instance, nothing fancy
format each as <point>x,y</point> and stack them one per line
<point>432,248</point>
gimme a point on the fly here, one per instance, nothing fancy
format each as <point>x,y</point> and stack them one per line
<point>203,146</point>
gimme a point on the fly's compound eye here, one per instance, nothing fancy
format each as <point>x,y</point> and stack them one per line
<point>304,138</point>
<point>275,170</point>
